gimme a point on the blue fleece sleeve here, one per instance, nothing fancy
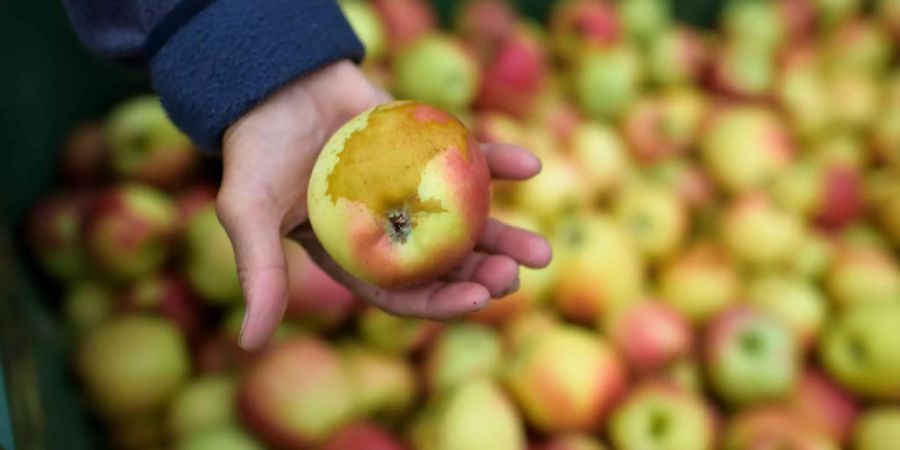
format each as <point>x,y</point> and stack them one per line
<point>211,61</point>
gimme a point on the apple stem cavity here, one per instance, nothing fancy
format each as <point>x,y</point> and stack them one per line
<point>399,225</point>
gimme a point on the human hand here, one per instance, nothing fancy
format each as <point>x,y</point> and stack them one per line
<point>268,158</point>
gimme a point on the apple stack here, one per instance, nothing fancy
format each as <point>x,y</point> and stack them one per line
<point>724,209</point>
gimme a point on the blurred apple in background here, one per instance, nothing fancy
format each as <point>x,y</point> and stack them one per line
<point>84,157</point>
<point>54,233</point>
<point>642,20</point>
<point>878,429</point>
<point>86,305</point>
<point>615,71</point>
<point>678,55</point>
<point>862,275</point>
<point>661,417</point>
<point>515,72</point>
<point>794,301</point>
<point>363,436</point>
<point>169,296</point>
<point>367,25</point>
<point>557,191</point>
<point>202,403</point>
<point>484,25</point>
<point>700,282</point>
<point>405,20</point>
<point>579,24</point>
<point>384,385</point>
<point>437,70</point>
<point>758,233</point>
<point>821,402</point>
<point>773,427</point>
<point>654,218</point>
<point>650,335</point>
<point>601,156</point>
<point>227,437</point>
<point>570,442</point>
<point>461,353</point>
<point>314,298</point>
<point>393,334</point>
<point>209,263</point>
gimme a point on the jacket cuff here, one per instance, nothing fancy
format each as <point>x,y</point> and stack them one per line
<point>211,62</point>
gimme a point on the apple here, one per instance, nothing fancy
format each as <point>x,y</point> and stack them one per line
<point>515,73</point>
<point>665,125</point>
<point>794,300</point>
<point>494,127</point>
<point>393,334</point>
<point>132,366</point>
<point>84,155</point>
<point>677,55</point>
<point>743,70</point>
<point>660,417</point>
<point>577,24</point>
<point>86,305</point>
<point>642,20</point>
<point>135,433</point>
<point>203,403</point>
<point>226,437</point>
<point>771,427</point>
<point>655,218</point>
<point>209,264</point>
<point>886,134</point>
<point>650,335</point>
<point>685,374</point>
<point>878,429</point>
<point>314,298</point>
<point>570,442</point>
<point>614,71</point>
<point>384,385</point>
<point>145,146</point>
<point>298,394</point>
<point>471,415</point>
<point>192,200</point>
<point>436,69</point>
<point>859,350</point>
<point>692,184</point>
<point>601,156</point>
<point>813,256</point>
<point>700,282</point>
<point>54,233</point>
<point>363,435</point>
<point>798,18</point>
<point>745,147</point>
<point>169,296</point>
<point>129,230</point>
<point>462,352</point>
<point>799,191</point>
<point>405,20</point>
<point>859,45</point>
<point>800,90</point>
<point>367,25</point>
<point>758,233</point>
<point>520,329</point>
<point>750,357</point>
<point>888,13</point>
<point>756,23</point>
<point>858,95</point>
<point>485,24</point>
<point>565,379</point>
<point>559,190</point>
<point>863,275</point>
<point>841,198</point>
<point>598,268</point>
<point>826,405</point>
<point>399,221</point>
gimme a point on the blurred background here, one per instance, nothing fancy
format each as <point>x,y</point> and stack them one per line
<point>719,185</point>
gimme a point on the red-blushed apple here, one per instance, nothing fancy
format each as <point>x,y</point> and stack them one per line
<point>193,200</point>
<point>132,366</point>
<point>601,156</point>
<point>742,71</point>
<point>384,385</point>
<point>168,295</point>
<point>677,55</point>
<point>226,437</point>
<point>859,45</point>
<point>570,442</point>
<point>400,194</point>
<point>436,69</point>
<point>296,395</point>
<point>461,353</point>
<point>642,20</point>
<point>565,379</point>
<point>859,350</point>
<point>314,298</point>
<point>395,334</point>
<point>145,146</point>
<point>650,335</point>
<point>750,357</point>
<point>655,218</point>
<point>753,23</point>
<point>553,111</point>
<point>666,125</point>
<point>86,305</point>
<point>616,72</point>
<point>758,233</point>
<point>484,25</point>
<point>515,73</point>
<point>841,201</point>
<point>405,20</point>
<point>700,282</point>
<point>54,233</point>
<point>520,329</point>
<point>794,300</point>
<point>209,264</point>
<point>577,24</point>
<point>559,190</point>
<point>798,18</point>
<point>366,23</point>
<point>824,404</point>
<point>863,275</point>
<point>656,416</point>
<point>690,182</point>
<point>84,155</point>
<point>363,436</point>
<point>473,415</point>
<point>878,428</point>
<point>772,427</point>
<point>202,403</point>
<point>858,96</point>
<point>598,267</point>
<point>129,230</point>
<point>745,147</point>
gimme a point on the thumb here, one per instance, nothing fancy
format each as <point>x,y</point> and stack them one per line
<point>256,238</point>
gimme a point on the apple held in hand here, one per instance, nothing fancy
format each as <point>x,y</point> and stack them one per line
<point>399,194</point>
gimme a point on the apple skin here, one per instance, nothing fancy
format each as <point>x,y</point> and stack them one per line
<point>494,127</point>
<point>663,126</point>
<point>54,232</point>
<point>798,18</point>
<point>202,403</point>
<point>794,300</point>
<point>84,157</point>
<point>570,442</point>
<point>812,257</point>
<point>862,275</point>
<point>135,433</point>
<point>484,25</point>
<point>758,233</point>
<point>650,335</point>
<point>405,20</point>
<point>800,90</point>
<point>601,156</point>
<point>363,435</point>
<point>296,395</point>
<point>750,357</point>
<point>859,350</point>
<point>565,380</point>
<point>436,69</point>
<point>599,269</point>
<point>655,218</point>
<point>700,282</point>
<point>821,402</point>
<point>577,24</point>
<point>169,296</point>
<point>661,417</point>
<point>471,415</point>
<point>559,190</point>
<point>616,71</point>
<point>209,264</point>
<point>886,134</point>
<point>676,56</point>
<point>690,182</point>
<point>394,334</point>
<point>642,20</point>
<point>193,200</point>
<point>520,329</point>
<point>515,74</point>
<point>132,366</point>
<point>755,23</point>
<point>366,23</point>
<point>743,71</point>
<point>129,230</point>
<point>859,97</point>
<point>877,429</point>
<point>314,298</point>
<point>462,352</point>
<point>859,45</point>
<point>399,221</point>
<point>773,427</point>
<point>145,146</point>
<point>226,437</point>
<point>384,385</point>
<point>86,305</point>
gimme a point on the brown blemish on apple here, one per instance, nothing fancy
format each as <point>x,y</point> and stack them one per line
<point>381,164</point>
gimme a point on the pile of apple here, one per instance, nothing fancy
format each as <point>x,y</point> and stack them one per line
<point>724,209</point>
